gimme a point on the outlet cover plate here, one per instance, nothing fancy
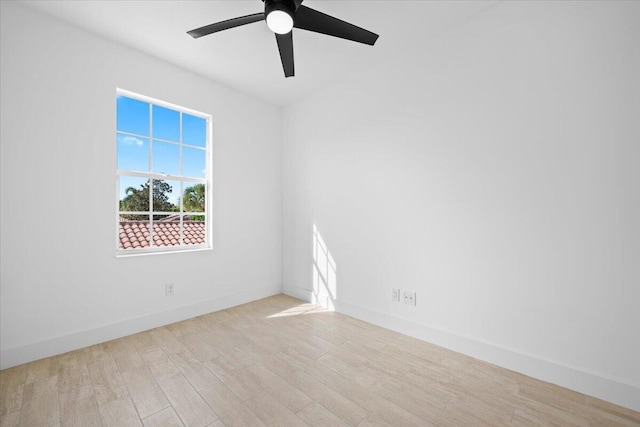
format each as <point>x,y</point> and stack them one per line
<point>170,289</point>
<point>409,297</point>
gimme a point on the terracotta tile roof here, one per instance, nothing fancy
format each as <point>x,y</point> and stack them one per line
<point>135,234</point>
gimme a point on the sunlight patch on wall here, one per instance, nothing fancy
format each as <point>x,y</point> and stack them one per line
<point>324,273</point>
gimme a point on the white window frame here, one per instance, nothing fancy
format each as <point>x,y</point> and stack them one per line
<point>152,250</point>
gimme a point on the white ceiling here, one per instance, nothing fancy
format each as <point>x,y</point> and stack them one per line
<point>246,58</point>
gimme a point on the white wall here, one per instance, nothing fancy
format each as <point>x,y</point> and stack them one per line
<point>61,284</point>
<point>495,172</point>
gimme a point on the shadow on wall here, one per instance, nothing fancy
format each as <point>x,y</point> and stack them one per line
<point>324,273</point>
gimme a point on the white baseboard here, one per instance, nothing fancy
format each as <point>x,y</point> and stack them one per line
<point>301,294</point>
<point>589,383</point>
<point>18,355</point>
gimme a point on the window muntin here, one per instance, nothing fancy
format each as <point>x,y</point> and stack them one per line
<point>162,169</point>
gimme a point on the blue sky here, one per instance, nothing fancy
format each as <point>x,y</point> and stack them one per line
<point>133,151</point>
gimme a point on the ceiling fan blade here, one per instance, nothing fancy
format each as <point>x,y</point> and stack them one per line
<point>225,25</point>
<point>312,20</point>
<point>285,46</point>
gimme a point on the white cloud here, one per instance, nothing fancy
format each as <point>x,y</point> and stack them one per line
<point>131,140</point>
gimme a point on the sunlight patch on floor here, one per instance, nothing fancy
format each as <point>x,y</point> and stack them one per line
<point>300,310</point>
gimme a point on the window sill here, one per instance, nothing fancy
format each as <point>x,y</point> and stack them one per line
<point>144,252</point>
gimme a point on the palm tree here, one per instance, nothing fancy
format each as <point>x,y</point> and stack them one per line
<point>194,200</point>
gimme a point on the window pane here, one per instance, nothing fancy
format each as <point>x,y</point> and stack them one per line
<point>134,194</point>
<point>193,230</point>
<point>166,196</point>
<point>194,130</point>
<point>133,116</point>
<point>193,199</point>
<point>166,158</point>
<point>166,123</point>
<point>133,234</point>
<point>166,230</point>
<point>133,153</point>
<point>194,162</point>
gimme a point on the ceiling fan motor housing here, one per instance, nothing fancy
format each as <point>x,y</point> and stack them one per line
<point>287,6</point>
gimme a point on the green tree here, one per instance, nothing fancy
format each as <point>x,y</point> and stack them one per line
<point>194,200</point>
<point>137,200</point>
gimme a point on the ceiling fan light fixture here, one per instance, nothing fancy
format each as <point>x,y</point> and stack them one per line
<point>279,16</point>
<point>280,22</point>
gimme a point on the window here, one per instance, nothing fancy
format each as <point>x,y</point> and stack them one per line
<point>163,174</point>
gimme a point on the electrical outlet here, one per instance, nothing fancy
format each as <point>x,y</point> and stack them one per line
<point>409,298</point>
<point>170,289</point>
<point>395,295</point>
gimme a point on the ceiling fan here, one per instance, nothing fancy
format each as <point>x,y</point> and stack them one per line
<point>284,15</point>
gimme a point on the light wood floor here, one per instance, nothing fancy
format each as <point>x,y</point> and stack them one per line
<point>282,362</point>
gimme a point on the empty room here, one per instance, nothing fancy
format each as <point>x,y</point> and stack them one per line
<point>319,213</point>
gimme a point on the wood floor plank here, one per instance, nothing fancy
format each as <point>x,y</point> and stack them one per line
<point>72,371</point>
<point>231,410</point>
<point>374,421</point>
<point>315,415</point>
<point>280,364</point>
<point>430,373</point>
<point>128,360</point>
<point>40,405</point>
<point>142,341</point>
<point>185,327</point>
<point>428,351</point>
<point>78,408</point>
<point>424,403</point>
<point>40,370</point>
<point>477,391</point>
<point>188,404</point>
<point>378,406</point>
<point>197,345</point>
<point>145,392</point>
<point>335,363</point>
<point>167,341</point>
<point>285,393</point>
<point>235,358</point>
<point>119,413</point>
<point>159,363</point>
<point>12,383</point>
<point>165,418</point>
<point>226,337</point>
<point>465,411</point>
<point>273,413</point>
<point>305,349</point>
<point>107,381</point>
<point>373,380</point>
<point>337,404</point>
<point>234,384</point>
<point>10,420</point>
<point>603,413</point>
<point>193,370</point>
<point>312,367</point>
<point>549,415</point>
<point>565,408</point>
<point>96,353</point>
